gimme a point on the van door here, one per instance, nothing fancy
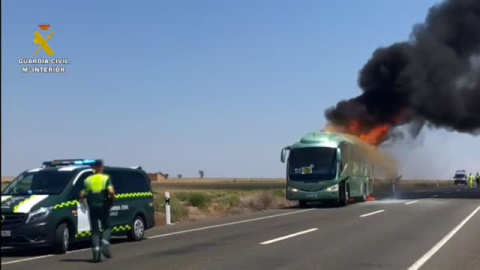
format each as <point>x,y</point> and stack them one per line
<point>121,213</point>
<point>83,218</point>
<point>129,186</point>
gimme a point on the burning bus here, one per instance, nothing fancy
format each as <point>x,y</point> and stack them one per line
<point>327,167</point>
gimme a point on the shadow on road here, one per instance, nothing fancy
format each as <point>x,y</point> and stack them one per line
<point>442,193</point>
<point>78,260</point>
<point>318,205</point>
<point>33,252</point>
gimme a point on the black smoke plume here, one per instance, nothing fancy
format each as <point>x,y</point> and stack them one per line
<point>433,78</point>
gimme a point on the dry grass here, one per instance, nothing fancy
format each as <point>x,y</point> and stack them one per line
<point>195,205</point>
<point>218,184</point>
<point>7,179</point>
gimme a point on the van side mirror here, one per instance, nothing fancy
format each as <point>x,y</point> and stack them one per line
<point>283,153</point>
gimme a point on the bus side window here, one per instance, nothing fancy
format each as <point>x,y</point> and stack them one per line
<point>354,157</point>
<point>79,185</point>
<point>344,148</point>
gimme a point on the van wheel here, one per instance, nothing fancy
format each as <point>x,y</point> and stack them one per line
<point>62,239</point>
<point>138,229</point>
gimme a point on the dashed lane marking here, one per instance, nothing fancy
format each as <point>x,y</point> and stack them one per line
<point>288,236</point>
<point>442,242</point>
<point>372,213</point>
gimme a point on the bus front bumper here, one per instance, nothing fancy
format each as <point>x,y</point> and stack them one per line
<point>294,194</point>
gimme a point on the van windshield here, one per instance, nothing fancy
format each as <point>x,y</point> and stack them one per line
<point>460,175</point>
<point>312,164</point>
<point>44,182</point>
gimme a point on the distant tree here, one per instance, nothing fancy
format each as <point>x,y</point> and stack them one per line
<point>179,176</point>
<point>166,176</point>
<point>201,173</point>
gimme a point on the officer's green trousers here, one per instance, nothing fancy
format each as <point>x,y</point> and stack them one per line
<point>101,231</point>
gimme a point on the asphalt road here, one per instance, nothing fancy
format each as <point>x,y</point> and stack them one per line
<point>429,229</point>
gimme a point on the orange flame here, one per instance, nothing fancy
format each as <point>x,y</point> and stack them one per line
<point>375,136</point>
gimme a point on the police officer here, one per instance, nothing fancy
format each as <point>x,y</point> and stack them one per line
<point>470,180</point>
<point>478,180</point>
<point>99,194</point>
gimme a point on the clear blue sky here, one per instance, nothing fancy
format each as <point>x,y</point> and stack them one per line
<point>178,86</point>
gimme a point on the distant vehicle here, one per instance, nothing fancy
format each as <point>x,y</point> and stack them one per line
<point>327,167</point>
<point>460,177</point>
<point>40,207</point>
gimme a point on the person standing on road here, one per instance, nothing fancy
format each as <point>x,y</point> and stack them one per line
<point>478,180</point>
<point>99,194</point>
<point>470,180</point>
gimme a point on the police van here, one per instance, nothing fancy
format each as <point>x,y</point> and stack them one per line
<point>41,207</point>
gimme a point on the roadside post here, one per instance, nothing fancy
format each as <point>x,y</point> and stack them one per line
<point>393,189</point>
<point>394,182</point>
<point>167,208</point>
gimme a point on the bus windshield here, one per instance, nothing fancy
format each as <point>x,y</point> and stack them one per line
<point>312,164</point>
<point>39,183</point>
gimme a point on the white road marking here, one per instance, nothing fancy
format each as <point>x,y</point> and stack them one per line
<point>372,213</point>
<point>442,242</point>
<point>27,259</point>
<point>173,233</point>
<point>41,257</point>
<point>288,236</point>
<point>229,224</point>
<point>78,250</point>
<point>411,202</point>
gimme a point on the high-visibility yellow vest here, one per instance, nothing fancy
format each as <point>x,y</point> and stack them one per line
<point>96,188</point>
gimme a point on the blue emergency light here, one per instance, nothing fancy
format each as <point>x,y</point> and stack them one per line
<point>86,162</point>
<point>67,162</point>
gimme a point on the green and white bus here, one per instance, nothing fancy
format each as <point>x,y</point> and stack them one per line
<point>327,167</point>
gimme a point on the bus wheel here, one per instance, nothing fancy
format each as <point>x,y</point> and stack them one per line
<point>364,195</point>
<point>62,239</point>
<point>138,229</point>
<point>344,194</point>
<point>302,204</point>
